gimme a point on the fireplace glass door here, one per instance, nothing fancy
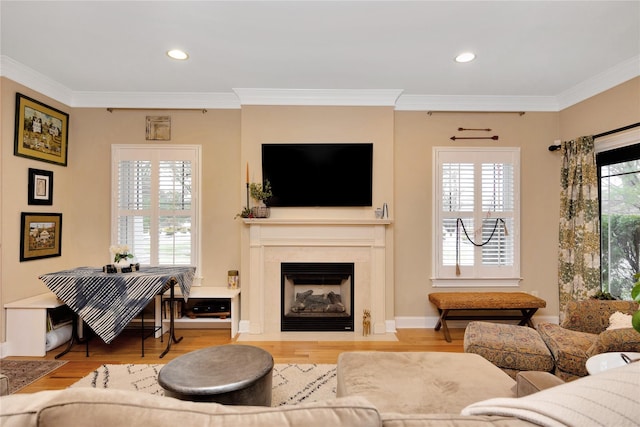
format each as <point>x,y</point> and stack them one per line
<point>317,296</point>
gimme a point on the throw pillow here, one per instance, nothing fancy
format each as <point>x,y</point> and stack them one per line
<point>619,320</point>
<point>610,398</point>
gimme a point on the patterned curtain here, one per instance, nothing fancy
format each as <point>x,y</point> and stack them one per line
<point>579,249</point>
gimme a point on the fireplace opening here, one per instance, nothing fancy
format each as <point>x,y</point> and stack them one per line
<point>317,296</point>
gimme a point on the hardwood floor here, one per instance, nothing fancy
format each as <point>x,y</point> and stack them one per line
<point>126,348</point>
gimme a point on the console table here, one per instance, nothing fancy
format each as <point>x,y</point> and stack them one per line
<point>107,302</point>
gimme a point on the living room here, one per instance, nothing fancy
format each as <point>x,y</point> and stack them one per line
<point>231,136</point>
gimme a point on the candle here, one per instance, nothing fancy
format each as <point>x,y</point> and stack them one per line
<point>247,172</point>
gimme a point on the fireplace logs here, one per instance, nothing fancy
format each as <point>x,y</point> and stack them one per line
<point>307,302</point>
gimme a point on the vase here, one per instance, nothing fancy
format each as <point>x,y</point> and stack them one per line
<point>260,212</point>
<point>126,262</point>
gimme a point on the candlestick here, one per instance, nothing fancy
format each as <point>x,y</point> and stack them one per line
<point>247,173</point>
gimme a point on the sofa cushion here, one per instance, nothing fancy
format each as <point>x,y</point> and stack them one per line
<point>627,339</point>
<point>610,398</point>
<point>106,408</point>
<point>420,382</point>
<point>568,348</point>
<point>450,420</point>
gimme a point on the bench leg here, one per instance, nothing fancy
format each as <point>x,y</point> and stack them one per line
<point>442,321</point>
<point>527,314</point>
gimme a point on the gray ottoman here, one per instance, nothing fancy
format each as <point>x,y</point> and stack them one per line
<point>227,374</point>
<point>420,382</point>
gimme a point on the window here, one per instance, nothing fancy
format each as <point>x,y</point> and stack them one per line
<point>476,216</point>
<point>155,202</point>
<point>619,178</point>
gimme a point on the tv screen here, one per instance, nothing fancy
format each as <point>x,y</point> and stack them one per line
<point>319,174</point>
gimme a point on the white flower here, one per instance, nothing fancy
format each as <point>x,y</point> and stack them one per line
<point>120,252</point>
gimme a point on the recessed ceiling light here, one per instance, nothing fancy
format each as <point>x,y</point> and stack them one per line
<point>177,54</point>
<point>465,57</point>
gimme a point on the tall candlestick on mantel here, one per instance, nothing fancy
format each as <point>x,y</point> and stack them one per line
<point>247,185</point>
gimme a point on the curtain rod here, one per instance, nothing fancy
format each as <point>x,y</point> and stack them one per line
<point>600,135</point>
<point>112,109</point>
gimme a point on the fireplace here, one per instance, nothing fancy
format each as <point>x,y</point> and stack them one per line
<point>272,242</point>
<point>317,296</point>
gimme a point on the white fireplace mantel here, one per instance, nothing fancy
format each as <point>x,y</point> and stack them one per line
<point>274,241</point>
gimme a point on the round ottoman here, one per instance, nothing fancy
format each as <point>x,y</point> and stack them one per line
<point>228,374</point>
<point>512,348</point>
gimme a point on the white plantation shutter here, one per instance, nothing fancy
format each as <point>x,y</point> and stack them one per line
<point>155,203</point>
<point>476,216</point>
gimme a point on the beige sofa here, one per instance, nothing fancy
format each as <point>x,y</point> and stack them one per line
<point>564,404</point>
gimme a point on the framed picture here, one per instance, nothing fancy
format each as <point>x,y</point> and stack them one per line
<point>158,128</point>
<point>41,235</point>
<point>40,187</point>
<point>41,131</point>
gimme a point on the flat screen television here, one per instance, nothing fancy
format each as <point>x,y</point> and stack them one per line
<point>334,175</point>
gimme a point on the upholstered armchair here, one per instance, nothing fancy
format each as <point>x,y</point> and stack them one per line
<point>583,333</point>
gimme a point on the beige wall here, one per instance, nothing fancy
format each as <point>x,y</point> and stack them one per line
<point>263,124</point>
<point>403,143</point>
<point>82,189</point>
<point>416,135</point>
<point>615,108</point>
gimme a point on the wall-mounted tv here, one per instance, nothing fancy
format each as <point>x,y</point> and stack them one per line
<point>319,174</point>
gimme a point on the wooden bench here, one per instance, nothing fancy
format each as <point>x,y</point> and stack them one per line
<point>495,302</point>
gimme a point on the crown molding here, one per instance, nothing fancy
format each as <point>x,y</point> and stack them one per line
<point>32,79</point>
<point>614,76</point>
<point>476,103</point>
<point>333,97</point>
<point>155,100</point>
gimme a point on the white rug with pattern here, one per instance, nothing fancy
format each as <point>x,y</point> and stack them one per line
<point>292,383</point>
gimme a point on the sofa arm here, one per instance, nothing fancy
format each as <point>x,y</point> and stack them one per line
<point>529,382</point>
<point>625,339</point>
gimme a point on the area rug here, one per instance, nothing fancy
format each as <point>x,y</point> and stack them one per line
<point>21,373</point>
<point>292,383</point>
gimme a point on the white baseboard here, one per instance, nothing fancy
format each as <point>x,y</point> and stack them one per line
<point>243,327</point>
<point>428,322</point>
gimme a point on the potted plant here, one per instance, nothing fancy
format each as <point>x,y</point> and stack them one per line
<point>261,194</point>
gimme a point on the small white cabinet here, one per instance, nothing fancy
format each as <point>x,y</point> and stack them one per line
<point>27,324</point>
<point>204,293</point>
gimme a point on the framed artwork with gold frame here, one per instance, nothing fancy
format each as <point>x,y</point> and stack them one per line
<point>41,235</point>
<point>41,131</point>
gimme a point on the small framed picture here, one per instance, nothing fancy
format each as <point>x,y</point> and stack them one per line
<point>158,128</point>
<point>40,187</point>
<point>41,131</point>
<point>41,235</point>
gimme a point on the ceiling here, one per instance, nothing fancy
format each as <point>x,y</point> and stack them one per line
<point>534,56</point>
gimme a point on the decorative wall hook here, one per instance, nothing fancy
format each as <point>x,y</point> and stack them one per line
<point>494,137</point>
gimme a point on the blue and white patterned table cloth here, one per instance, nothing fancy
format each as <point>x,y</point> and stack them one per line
<point>107,302</point>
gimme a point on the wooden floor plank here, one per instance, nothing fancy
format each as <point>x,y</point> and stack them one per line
<point>126,348</point>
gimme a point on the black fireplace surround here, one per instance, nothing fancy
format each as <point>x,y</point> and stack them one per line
<point>316,296</point>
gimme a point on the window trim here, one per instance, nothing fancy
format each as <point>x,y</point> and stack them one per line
<point>603,145</point>
<point>196,191</point>
<point>453,282</point>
